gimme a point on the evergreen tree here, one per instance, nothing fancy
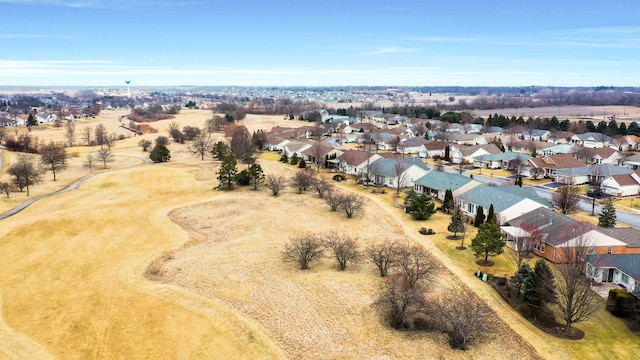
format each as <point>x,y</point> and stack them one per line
<point>457,222</point>
<point>31,120</point>
<point>219,150</point>
<point>159,154</point>
<point>488,242</point>
<point>633,129</point>
<point>491,216</point>
<point>294,159</point>
<point>622,129</point>
<point>302,164</point>
<point>256,175</point>
<point>411,195</point>
<point>448,200</point>
<point>590,126</point>
<point>608,215</point>
<point>284,158</point>
<point>227,172</point>
<point>422,207</point>
<point>518,280</point>
<point>479,220</point>
<point>545,282</point>
<point>447,153</point>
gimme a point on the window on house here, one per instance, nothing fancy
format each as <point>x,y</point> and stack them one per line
<point>470,208</point>
<point>542,247</point>
<point>610,250</point>
<point>625,278</point>
<point>589,269</point>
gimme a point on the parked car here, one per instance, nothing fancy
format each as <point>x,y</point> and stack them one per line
<point>597,193</point>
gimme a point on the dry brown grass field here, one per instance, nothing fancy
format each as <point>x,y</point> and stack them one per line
<point>74,286</point>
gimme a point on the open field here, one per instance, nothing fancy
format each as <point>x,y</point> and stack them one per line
<point>74,286</point>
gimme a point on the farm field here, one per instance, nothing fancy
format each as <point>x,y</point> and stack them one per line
<point>76,285</point>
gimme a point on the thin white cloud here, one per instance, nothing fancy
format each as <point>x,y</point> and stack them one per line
<point>391,50</point>
<point>104,4</point>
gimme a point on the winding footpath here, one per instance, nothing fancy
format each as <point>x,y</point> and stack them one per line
<point>73,186</point>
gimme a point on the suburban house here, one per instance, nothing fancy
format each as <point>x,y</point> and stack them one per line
<point>323,152</point>
<point>279,136</point>
<point>620,269</point>
<point>386,141</point>
<point>603,155</point>
<point>558,233</point>
<point>527,146</point>
<point>414,145</point>
<point>558,149</point>
<point>499,160</point>
<point>536,134</point>
<point>622,185</point>
<point>584,174</point>
<point>432,149</point>
<point>549,165</point>
<point>296,147</point>
<point>591,140</point>
<point>467,139</point>
<point>436,183</point>
<point>507,204</point>
<point>462,153</point>
<point>560,137</point>
<point>628,143</point>
<point>405,171</point>
<point>632,162</point>
<point>356,162</point>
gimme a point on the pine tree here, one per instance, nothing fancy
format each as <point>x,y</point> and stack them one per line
<point>608,215</point>
<point>457,222</point>
<point>447,153</point>
<point>518,280</point>
<point>422,207</point>
<point>491,216</point>
<point>448,200</point>
<point>488,242</point>
<point>227,172</point>
<point>302,164</point>
<point>479,217</point>
<point>294,159</point>
<point>284,158</point>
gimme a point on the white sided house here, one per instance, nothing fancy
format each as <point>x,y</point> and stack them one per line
<point>391,172</point>
<point>508,202</point>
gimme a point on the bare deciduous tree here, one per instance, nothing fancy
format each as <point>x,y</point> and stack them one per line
<point>275,183</point>
<point>303,180</point>
<point>334,199</point>
<point>323,187</point>
<point>352,204</point>
<point>25,172</point>
<point>100,134</point>
<point>567,198</point>
<point>384,255</point>
<point>525,243</point>
<point>54,156</point>
<point>70,133</point>
<point>401,175</point>
<point>201,144</point>
<point>89,161</point>
<point>576,301</point>
<point>317,151</point>
<point>175,133</point>
<point>344,248</point>
<point>111,139</point>
<point>105,156</point>
<point>6,188</point>
<point>415,263</point>
<point>462,317</point>
<point>303,249</point>
<point>145,144</point>
<point>85,133</point>
<point>399,302</point>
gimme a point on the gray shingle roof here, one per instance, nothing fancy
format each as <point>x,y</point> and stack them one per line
<point>484,196</point>
<point>627,263</point>
<point>443,181</point>
<point>505,156</point>
<point>385,167</point>
<point>606,170</point>
<point>630,236</point>
<point>553,226</point>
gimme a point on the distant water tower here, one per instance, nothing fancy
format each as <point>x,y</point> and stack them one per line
<point>128,82</point>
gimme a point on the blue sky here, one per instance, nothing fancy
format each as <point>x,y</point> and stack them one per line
<point>320,42</point>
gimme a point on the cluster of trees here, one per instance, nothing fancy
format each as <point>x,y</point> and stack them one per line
<point>403,297</point>
<point>153,113</point>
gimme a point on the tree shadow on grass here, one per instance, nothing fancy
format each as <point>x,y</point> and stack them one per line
<point>452,237</point>
<point>461,247</point>
<point>485,263</point>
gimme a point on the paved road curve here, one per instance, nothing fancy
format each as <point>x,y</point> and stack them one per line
<point>73,186</point>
